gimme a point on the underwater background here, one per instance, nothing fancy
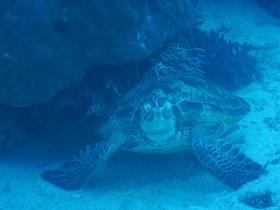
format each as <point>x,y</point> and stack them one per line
<point>63,63</point>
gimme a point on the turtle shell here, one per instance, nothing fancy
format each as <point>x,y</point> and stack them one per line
<point>181,89</point>
<point>162,113</point>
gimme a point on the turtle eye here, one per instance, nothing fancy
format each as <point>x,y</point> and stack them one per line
<point>161,102</point>
<point>147,107</point>
<point>153,104</point>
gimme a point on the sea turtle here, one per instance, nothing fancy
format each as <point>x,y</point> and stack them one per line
<point>168,113</point>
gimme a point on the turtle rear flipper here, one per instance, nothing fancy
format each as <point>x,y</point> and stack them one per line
<point>75,172</point>
<point>226,163</point>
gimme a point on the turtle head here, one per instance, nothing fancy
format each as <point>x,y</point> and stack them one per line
<point>157,119</point>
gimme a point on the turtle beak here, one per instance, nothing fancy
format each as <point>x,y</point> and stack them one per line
<point>159,128</point>
<point>159,116</point>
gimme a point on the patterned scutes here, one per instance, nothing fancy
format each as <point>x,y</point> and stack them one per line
<point>181,87</point>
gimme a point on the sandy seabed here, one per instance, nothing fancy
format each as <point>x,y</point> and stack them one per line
<point>174,181</point>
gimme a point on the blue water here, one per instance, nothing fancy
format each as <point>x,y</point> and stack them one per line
<point>65,64</point>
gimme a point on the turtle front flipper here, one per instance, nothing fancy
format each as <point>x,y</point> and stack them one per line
<point>75,172</point>
<point>226,163</point>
